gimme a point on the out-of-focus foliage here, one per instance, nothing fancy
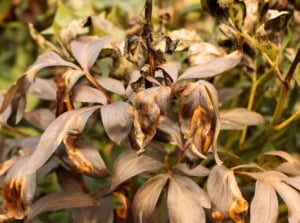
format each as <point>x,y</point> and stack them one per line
<point>149,111</point>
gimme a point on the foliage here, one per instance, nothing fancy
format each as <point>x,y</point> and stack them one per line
<point>188,113</point>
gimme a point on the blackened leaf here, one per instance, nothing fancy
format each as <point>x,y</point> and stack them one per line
<point>40,118</point>
<point>84,158</point>
<point>186,200</point>
<point>18,190</point>
<point>214,67</point>
<point>70,121</point>
<point>238,118</point>
<point>117,120</point>
<point>59,201</point>
<point>86,50</point>
<point>111,85</point>
<point>292,199</point>
<point>129,164</point>
<point>171,68</point>
<point>198,171</point>
<point>264,205</point>
<point>43,88</point>
<point>88,94</point>
<point>146,198</point>
<point>102,213</point>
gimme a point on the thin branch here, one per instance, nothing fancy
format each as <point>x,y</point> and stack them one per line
<point>293,67</point>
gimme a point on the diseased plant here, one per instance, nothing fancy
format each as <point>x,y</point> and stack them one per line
<point>143,130</point>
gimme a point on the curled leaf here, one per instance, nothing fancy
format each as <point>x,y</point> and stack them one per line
<point>129,164</point>
<point>88,94</point>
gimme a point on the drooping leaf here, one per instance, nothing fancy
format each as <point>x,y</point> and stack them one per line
<point>186,200</point>
<point>40,118</point>
<point>293,181</point>
<point>213,67</point>
<point>238,118</point>
<point>112,85</point>
<point>54,134</point>
<point>198,171</point>
<point>171,68</point>
<point>117,119</point>
<point>88,94</point>
<point>59,201</point>
<point>146,198</point>
<point>264,205</point>
<point>101,213</point>
<point>226,94</point>
<point>84,158</point>
<point>86,50</point>
<point>43,88</point>
<point>18,190</point>
<point>5,114</point>
<point>71,76</point>
<point>129,164</point>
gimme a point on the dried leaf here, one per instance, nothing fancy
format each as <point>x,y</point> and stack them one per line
<point>129,164</point>
<point>88,94</point>
<point>43,88</point>
<point>171,68</point>
<point>264,205</point>
<point>71,76</point>
<point>227,94</point>
<point>198,171</point>
<point>86,50</point>
<point>40,118</point>
<point>84,158</point>
<point>59,201</point>
<point>101,213</point>
<point>5,114</point>
<point>112,85</point>
<point>18,190</point>
<point>117,119</point>
<point>213,67</point>
<point>238,118</point>
<point>146,198</point>
<point>186,200</point>
<point>54,134</point>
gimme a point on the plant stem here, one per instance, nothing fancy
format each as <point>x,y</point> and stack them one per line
<point>287,121</point>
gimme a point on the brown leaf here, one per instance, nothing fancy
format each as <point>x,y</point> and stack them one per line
<point>238,118</point>
<point>129,164</point>
<point>5,114</point>
<point>227,94</point>
<point>223,190</point>
<point>54,134</point>
<point>117,119</point>
<point>198,171</point>
<point>86,50</point>
<point>18,190</point>
<point>213,67</point>
<point>88,94</point>
<point>43,88</point>
<point>71,77</point>
<point>83,158</point>
<point>40,118</point>
<point>293,181</point>
<point>112,85</point>
<point>146,198</point>
<point>59,201</point>
<point>186,200</point>
<point>171,68</point>
<point>264,205</point>
<point>101,213</point>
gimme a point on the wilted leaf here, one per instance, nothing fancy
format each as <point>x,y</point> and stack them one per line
<point>54,134</point>
<point>293,181</point>
<point>101,213</point>
<point>238,118</point>
<point>18,190</point>
<point>59,201</point>
<point>186,200</point>
<point>224,191</point>
<point>86,50</point>
<point>264,205</point>
<point>117,120</point>
<point>88,94</point>
<point>71,76</point>
<point>4,115</point>
<point>43,88</point>
<point>198,171</point>
<point>129,164</point>
<point>111,85</point>
<point>226,94</point>
<point>171,68</point>
<point>213,67</point>
<point>84,158</point>
<point>146,198</point>
<point>40,118</point>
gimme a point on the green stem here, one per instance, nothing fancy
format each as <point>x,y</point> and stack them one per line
<point>287,121</point>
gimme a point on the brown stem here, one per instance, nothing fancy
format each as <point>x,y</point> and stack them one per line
<point>293,67</point>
